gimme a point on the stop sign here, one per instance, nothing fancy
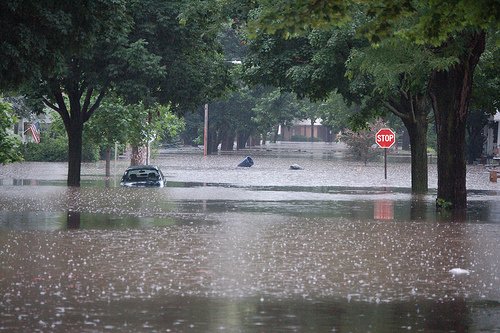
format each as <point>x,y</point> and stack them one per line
<point>385,138</point>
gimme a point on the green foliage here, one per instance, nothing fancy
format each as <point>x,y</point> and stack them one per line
<point>116,122</point>
<point>396,65</point>
<point>273,108</point>
<point>49,149</point>
<point>292,17</point>
<point>147,124</point>
<point>193,130</point>
<point>485,99</point>
<point>425,22</point>
<point>172,126</point>
<point>71,54</point>
<point>109,124</point>
<point>335,113</point>
<point>9,143</point>
<point>184,34</point>
<point>56,150</point>
<point>486,89</point>
<point>311,66</point>
<point>53,146</point>
<point>233,114</point>
<point>443,205</point>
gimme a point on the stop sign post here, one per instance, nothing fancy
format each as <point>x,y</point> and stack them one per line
<point>385,138</point>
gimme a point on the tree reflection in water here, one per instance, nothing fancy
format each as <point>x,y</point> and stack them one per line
<point>73,220</point>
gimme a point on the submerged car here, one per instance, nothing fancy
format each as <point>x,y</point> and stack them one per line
<point>143,176</point>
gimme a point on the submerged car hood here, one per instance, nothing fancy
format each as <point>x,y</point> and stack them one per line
<point>153,183</point>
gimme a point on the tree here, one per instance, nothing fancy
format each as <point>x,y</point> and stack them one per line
<point>108,127</point>
<point>9,143</point>
<point>393,75</point>
<point>82,50</point>
<point>335,112</point>
<point>456,29</point>
<point>145,125</point>
<point>485,100</point>
<point>399,72</point>
<point>311,65</point>
<point>231,118</point>
<point>273,109</point>
<point>86,50</point>
<point>185,35</point>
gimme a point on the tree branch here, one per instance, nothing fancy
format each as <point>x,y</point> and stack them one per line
<point>61,105</point>
<point>96,104</point>
<point>394,110</point>
<point>51,105</point>
<point>412,108</point>
<point>88,96</point>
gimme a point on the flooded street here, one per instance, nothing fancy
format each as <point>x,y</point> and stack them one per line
<point>333,247</point>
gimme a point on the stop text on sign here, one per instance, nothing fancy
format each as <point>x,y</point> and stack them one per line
<point>385,138</point>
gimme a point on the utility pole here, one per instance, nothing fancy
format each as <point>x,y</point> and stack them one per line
<point>205,132</point>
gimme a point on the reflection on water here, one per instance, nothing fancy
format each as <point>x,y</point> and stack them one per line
<point>263,249</point>
<point>308,273</point>
<point>383,210</point>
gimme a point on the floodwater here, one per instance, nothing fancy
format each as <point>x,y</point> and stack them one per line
<point>333,247</point>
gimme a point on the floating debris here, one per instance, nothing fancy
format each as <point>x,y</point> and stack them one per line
<point>295,167</point>
<point>246,163</point>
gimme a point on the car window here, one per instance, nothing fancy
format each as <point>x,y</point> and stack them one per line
<point>142,174</point>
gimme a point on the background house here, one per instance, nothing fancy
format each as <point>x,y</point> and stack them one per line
<point>492,133</point>
<point>301,131</point>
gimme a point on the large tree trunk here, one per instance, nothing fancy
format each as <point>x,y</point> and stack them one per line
<point>241,140</point>
<point>450,93</point>
<point>213,142</point>
<point>227,140</point>
<point>74,152</point>
<point>138,156</point>
<point>275,133</point>
<point>417,132</point>
<point>413,111</point>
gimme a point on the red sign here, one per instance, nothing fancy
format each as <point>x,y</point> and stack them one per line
<point>385,138</point>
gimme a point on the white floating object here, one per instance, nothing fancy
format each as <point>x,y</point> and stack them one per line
<point>459,271</point>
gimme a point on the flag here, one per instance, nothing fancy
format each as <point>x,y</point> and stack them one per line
<point>35,133</point>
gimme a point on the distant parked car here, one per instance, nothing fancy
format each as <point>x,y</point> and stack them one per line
<point>143,176</point>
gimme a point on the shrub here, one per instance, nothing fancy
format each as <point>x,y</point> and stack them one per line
<point>48,150</point>
<point>52,149</point>
<point>361,143</point>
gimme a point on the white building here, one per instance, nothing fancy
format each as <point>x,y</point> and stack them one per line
<point>492,134</point>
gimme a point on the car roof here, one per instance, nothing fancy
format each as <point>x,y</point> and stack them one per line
<point>143,167</point>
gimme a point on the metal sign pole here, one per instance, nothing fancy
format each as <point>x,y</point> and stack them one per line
<point>385,139</point>
<point>385,163</point>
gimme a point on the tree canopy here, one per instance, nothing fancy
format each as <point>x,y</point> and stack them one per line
<point>426,22</point>
<point>450,30</point>
<point>71,54</point>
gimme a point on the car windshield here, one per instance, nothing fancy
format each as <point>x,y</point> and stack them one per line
<point>138,175</point>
